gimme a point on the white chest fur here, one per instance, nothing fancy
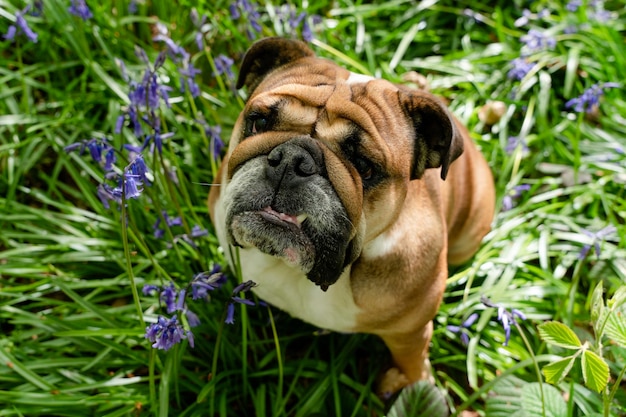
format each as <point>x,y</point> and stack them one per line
<point>288,289</point>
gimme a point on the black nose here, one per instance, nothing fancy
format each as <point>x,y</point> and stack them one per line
<point>294,162</point>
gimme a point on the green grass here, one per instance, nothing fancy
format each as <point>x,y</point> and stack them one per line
<point>72,315</point>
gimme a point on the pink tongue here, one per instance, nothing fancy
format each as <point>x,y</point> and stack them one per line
<point>282,216</point>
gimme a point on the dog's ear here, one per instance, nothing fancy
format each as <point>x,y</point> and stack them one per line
<point>265,56</point>
<point>438,141</point>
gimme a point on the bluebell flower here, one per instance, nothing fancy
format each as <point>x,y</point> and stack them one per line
<point>192,318</point>
<point>198,22</point>
<point>168,296</point>
<point>505,317</point>
<point>596,238</point>
<point>230,314</point>
<point>570,29</point>
<point>132,7</point>
<point>20,28</point>
<point>462,329</point>
<point>508,201</point>
<point>204,282</point>
<point>79,8</point>
<point>573,5</point>
<point>520,67</point>
<point>247,10</point>
<point>536,40</point>
<point>188,75</point>
<point>198,231</point>
<point>175,51</point>
<point>107,193</point>
<point>149,289</point>
<point>97,149</point>
<point>524,19</point>
<point>131,186</point>
<point>515,142</point>
<point>236,299</point>
<point>589,98</point>
<point>223,65</point>
<point>166,333</point>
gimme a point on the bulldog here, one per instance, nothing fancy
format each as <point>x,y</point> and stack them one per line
<point>333,191</point>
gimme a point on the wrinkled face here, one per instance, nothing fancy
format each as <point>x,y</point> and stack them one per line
<point>319,164</point>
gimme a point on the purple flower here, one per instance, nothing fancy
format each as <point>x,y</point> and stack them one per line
<point>198,231</point>
<point>20,28</point>
<point>149,289</point>
<point>589,98</point>
<point>165,333</point>
<point>526,14</point>
<point>230,314</point>
<point>188,75</point>
<point>596,238</point>
<point>515,142</point>
<point>192,318</point>
<point>175,51</point>
<point>223,65</point>
<point>204,282</point>
<point>513,194</point>
<point>243,287</point>
<point>97,148</point>
<point>573,5</point>
<point>505,317</point>
<point>132,7</point>
<point>214,133</point>
<point>519,68</point>
<point>168,296</point>
<point>462,329</point>
<point>79,8</point>
<point>535,41</point>
<point>107,193</point>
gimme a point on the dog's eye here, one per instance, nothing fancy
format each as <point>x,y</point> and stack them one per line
<point>256,123</point>
<point>364,167</point>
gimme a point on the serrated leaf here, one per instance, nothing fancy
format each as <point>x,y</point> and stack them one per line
<point>421,399</point>
<point>556,371</point>
<point>597,302</point>
<point>595,371</point>
<point>553,402</point>
<point>618,298</point>
<point>616,328</point>
<point>558,334</point>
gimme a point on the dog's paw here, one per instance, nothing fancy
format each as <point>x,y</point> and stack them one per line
<point>391,382</point>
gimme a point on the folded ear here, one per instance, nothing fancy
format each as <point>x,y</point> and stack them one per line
<point>266,55</point>
<point>438,142</point>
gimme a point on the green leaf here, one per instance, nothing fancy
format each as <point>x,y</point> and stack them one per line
<point>616,328</point>
<point>597,302</point>
<point>595,371</point>
<point>556,371</point>
<point>558,334</point>
<point>421,399</point>
<point>553,402</point>
<point>618,298</point>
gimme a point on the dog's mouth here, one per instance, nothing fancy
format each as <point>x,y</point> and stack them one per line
<point>282,219</point>
<point>277,234</point>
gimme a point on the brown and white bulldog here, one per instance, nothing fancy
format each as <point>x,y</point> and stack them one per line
<point>333,190</point>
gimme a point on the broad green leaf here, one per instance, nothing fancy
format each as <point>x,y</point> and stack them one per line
<point>421,399</point>
<point>616,328</point>
<point>595,371</point>
<point>553,402</point>
<point>556,371</point>
<point>558,334</point>
<point>597,302</point>
<point>618,298</point>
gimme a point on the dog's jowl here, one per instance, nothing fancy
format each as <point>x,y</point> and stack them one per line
<point>348,196</point>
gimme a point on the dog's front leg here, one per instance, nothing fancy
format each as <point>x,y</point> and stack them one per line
<point>410,356</point>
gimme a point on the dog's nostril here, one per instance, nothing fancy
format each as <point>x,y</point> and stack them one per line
<point>306,167</point>
<point>274,157</point>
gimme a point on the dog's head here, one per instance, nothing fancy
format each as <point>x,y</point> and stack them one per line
<point>320,158</point>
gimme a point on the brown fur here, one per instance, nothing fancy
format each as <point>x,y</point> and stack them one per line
<point>424,223</point>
